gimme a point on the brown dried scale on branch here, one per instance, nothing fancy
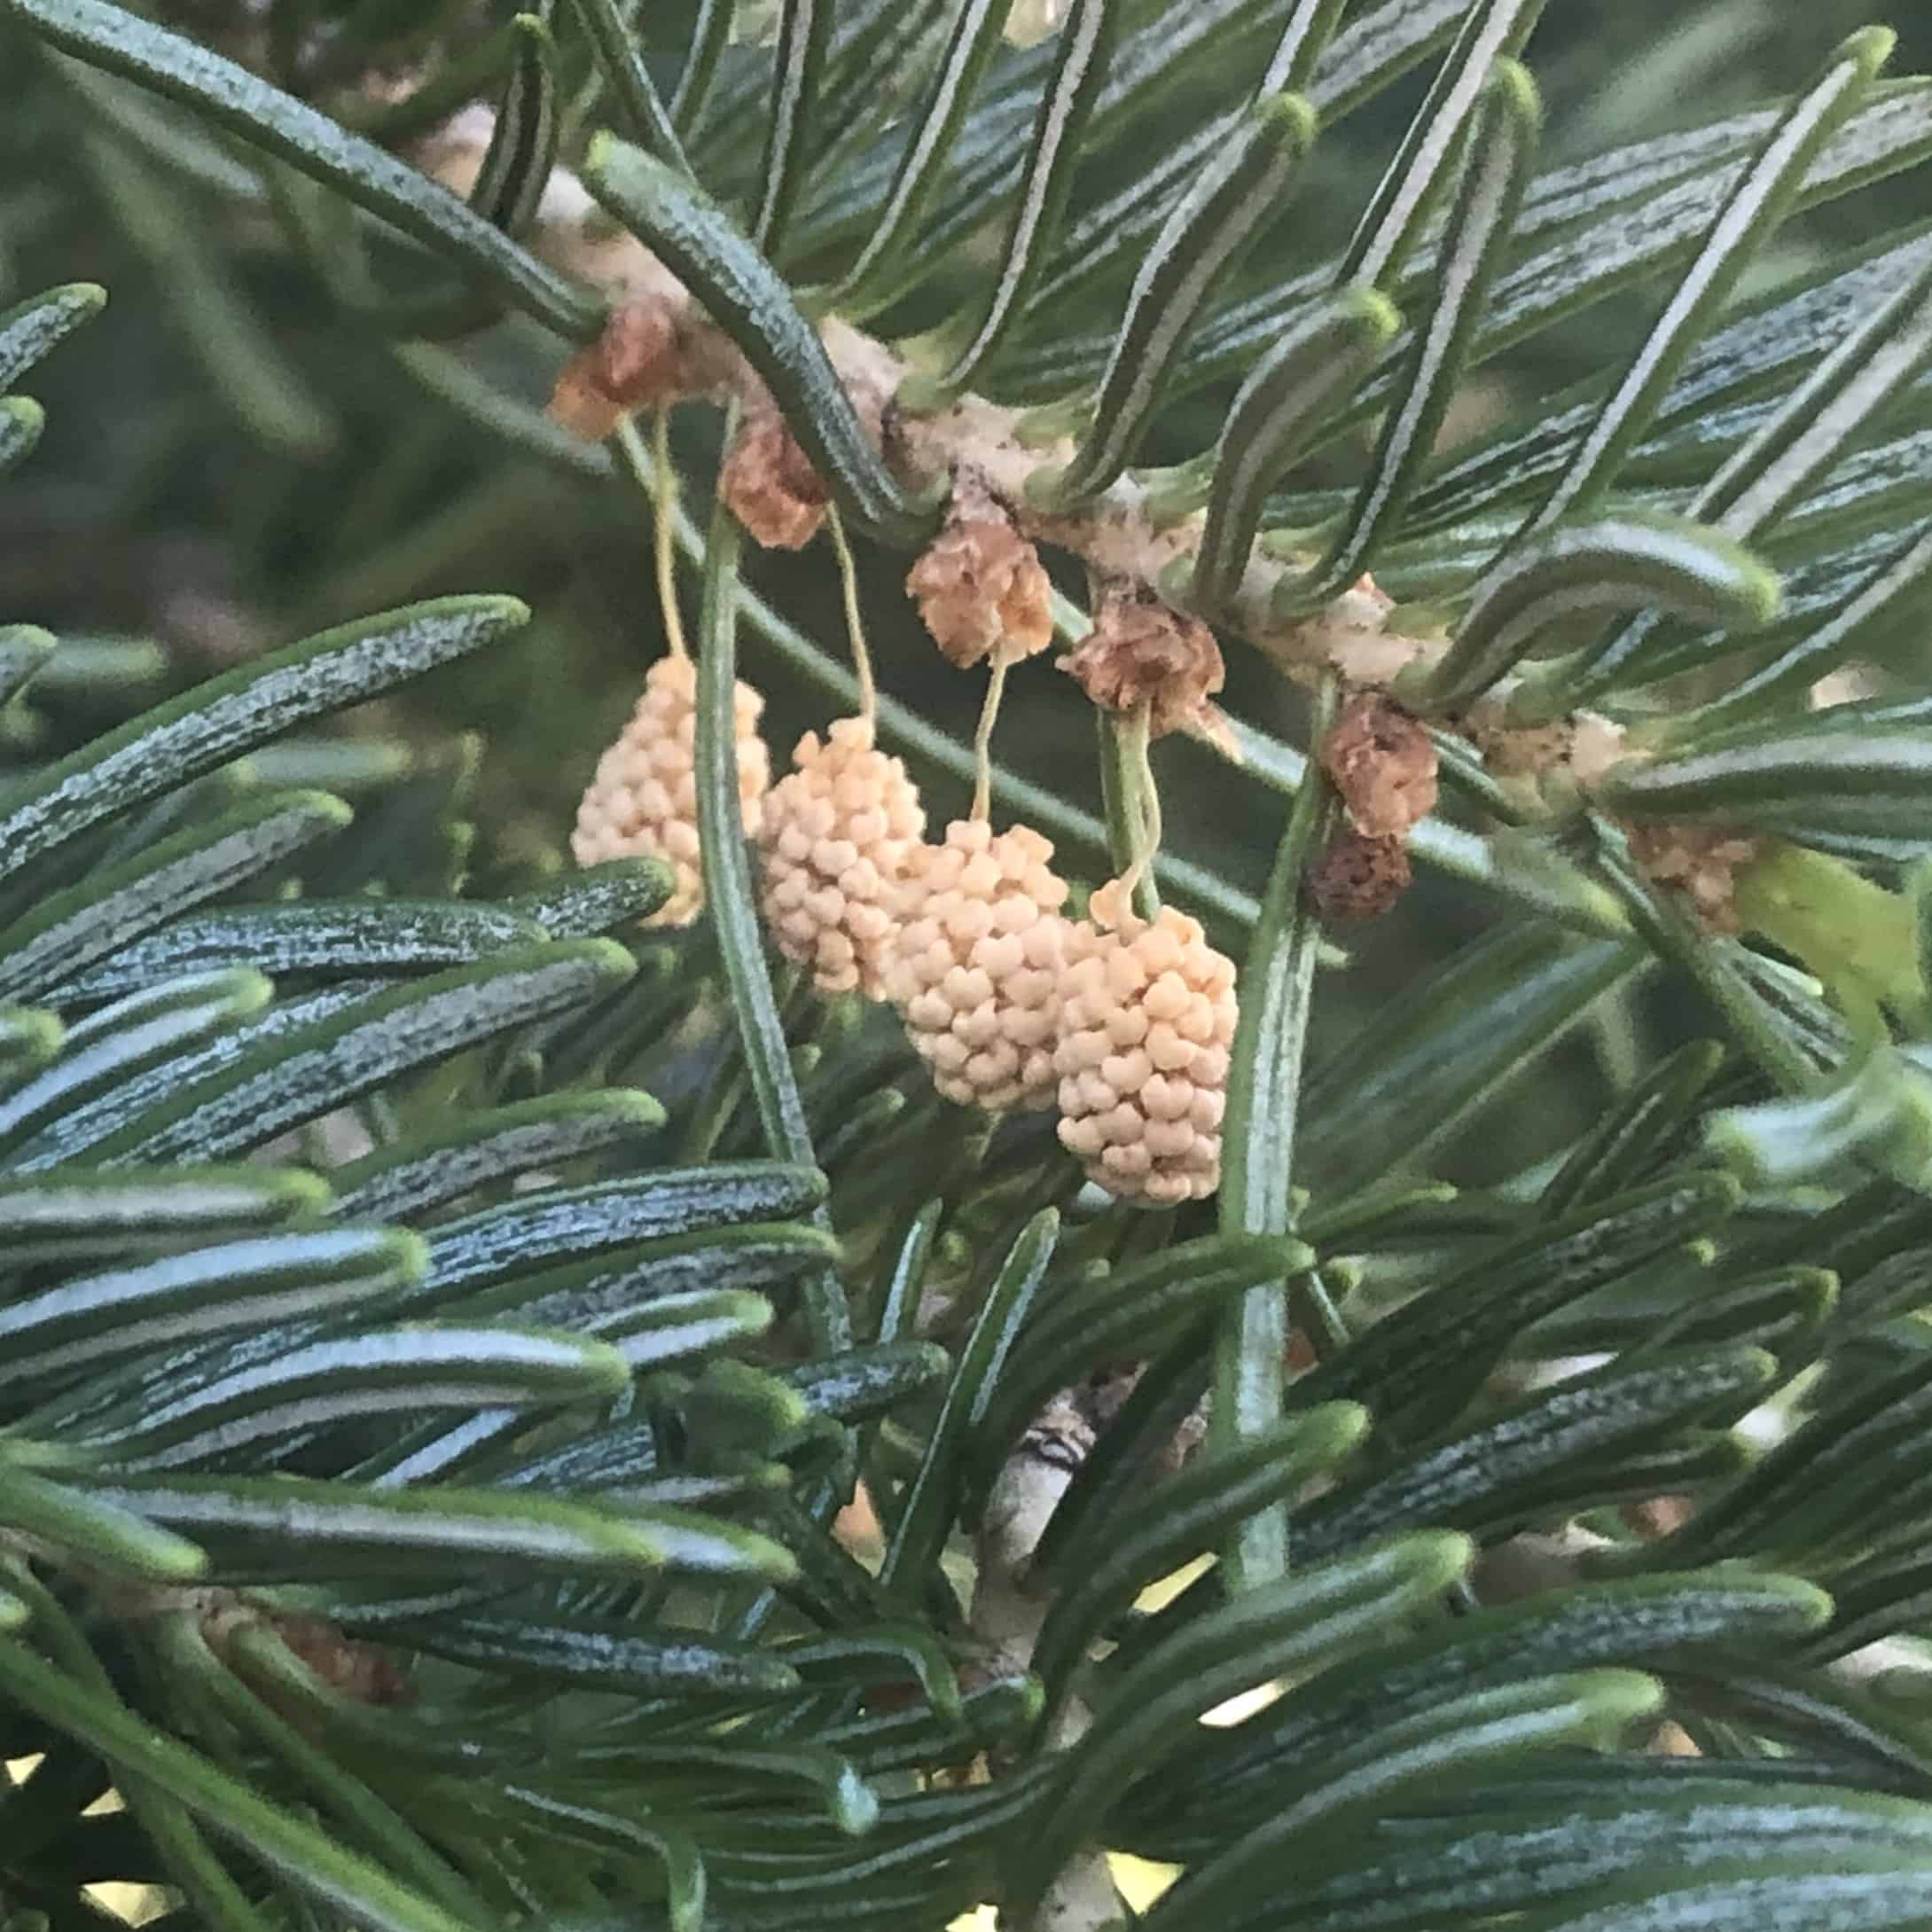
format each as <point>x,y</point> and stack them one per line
<point>980,586</point>
<point>839,832</point>
<point>1147,1025</point>
<point>1143,652</point>
<point>349,1666</point>
<point>1382,763</point>
<point>1699,864</point>
<point>1358,878</point>
<point>633,364</point>
<point>768,484</point>
<point>356,1670</point>
<point>643,800</point>
<point>768,481</point>
<point>1582,748</point>
<point>974,963</point>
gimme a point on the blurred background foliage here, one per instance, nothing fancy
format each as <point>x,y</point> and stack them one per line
<point>230,461</point>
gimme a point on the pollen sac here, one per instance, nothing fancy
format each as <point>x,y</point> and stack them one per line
<point>974,963</point>
<point>1148,1013</point>
<point>839,831</point>
<point>643,802</point>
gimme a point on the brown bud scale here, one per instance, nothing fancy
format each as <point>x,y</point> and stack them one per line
<point>1358,878</point>
<point>1143,652</point>
<point>980,586</point>
<point>768,483</point>
<point>1699,864</point>
<point>1384,765</point>
<point>633,364</point>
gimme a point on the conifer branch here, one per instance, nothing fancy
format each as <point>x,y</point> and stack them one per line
<point>1116,533</point>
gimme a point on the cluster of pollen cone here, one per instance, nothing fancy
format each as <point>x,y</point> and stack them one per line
<point>1123,1023</point>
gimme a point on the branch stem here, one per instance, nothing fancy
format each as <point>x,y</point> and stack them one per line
<point>1118,534</point>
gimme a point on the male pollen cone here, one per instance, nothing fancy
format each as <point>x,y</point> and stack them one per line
<point>1147,1016</point>
<point>643,800</point>
<point>974,963</point>
<point>839,832</point>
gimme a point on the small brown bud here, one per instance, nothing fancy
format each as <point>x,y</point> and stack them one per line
<point>1141,651</point>
<point>636,355</point>
<point>579,405</point>
<point>1584,747</point>
<point>1358,878</point>
<point>980,586</point>
<point>768,484</point>
<point>633,365</point>
<point>1383,765</point>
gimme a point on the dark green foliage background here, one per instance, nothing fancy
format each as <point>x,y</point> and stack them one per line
<point>230,463</point>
